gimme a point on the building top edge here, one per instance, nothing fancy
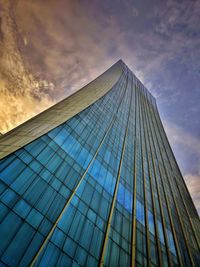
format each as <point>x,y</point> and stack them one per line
<point>139,83</point>
<point>66,109</point>
<point>60,112</point>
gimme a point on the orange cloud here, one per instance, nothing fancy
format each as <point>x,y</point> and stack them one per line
<point>46,55</point>
<point>22,96</point>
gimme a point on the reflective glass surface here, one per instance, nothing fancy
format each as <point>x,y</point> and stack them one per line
<point>101,189</point>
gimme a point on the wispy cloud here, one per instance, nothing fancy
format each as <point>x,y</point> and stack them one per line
<point>22,96</point>
<point>186,148</point>
<point>46,57</point>
<point>193,184</point>
<point>48,51</point>
<point>181,136</point>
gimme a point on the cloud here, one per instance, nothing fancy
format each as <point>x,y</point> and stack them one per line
<point>193,184</point>
<point>178,135</point>
<point>44,57</point>
<point>22,96</point>
<point>57,48</point>
<point>186,148</point>
<point>180,17</point>
<point>178,25</point>
<point>48,51</point>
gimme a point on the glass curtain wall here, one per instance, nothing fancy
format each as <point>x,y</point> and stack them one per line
<point>101,189</point>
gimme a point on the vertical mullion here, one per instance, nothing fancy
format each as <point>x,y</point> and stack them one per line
<point>194,232</point>
<point>75,189</point>
<point>177,166</point>
<point>165,195</point>
<point>178,189</point>
<point>151,184</point>
<point>144,184</point>
<point>133,250</point>
<point>174,199</point>
<point>157,186</point>
<point>101,263</point>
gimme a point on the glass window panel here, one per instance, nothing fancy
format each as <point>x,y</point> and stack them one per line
<point>69,247</point>
<point>80,256</point>
<point>60,137</point>
<point>34,218</point>
<point>23,181</point>
<point>50,256</point>
<point>4,210</point>
<point>8,229</point>
<point>9,174</point>
<point>58,237</point>
<point>14,252</point>
<point>9,198</point>
<point>65,260</point>
<point>22,208</point>
<point>160,232</point>
<point>171,242</point>
<point>140,212</point>
<point>151,222</point>
<point>33,247</point>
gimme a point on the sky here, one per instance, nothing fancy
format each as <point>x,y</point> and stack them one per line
<point>51,48</point>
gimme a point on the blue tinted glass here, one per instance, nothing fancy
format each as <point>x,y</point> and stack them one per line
<point>61,136</point>
<point>124,197</point>
<point>151,222</point>
<point>15,251</point>
<point>35,218</point>
<point>50,176</point>
<point>160,231</point>
<point>22,208</point>
<point>171,242</point>
<point>8,229</point>
<point>9,174</point>
<point>9,197</point>
<point>140,212</point>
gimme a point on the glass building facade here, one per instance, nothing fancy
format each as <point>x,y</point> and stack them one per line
<point>102,188</point>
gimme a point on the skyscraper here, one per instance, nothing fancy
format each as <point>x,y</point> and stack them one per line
<point>92,181</point>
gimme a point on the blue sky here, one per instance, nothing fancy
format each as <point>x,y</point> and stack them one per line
<point>52,48</point>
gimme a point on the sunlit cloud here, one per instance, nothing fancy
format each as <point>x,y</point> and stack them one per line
<point>48,51</point>
<point>46,58</point>
<point>22,96</point>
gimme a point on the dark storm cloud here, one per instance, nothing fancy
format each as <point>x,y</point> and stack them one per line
<point>49,49</point>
